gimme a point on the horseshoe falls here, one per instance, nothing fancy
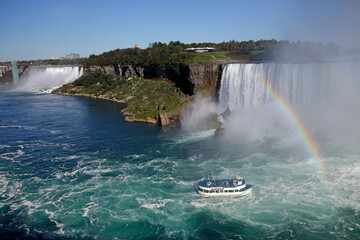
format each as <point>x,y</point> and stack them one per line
<point>250,85</point>
<point>276,99</point>
<point>71,168</point>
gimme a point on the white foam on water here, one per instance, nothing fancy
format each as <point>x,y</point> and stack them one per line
<point>31,205</point>
<point>12,189</point>
<point>225,204</point>
<point>153,203</point>
<point>12,156</point>
<point>87,208</point>
<point>3,188</point>
<point>30,128</point>
<point>186,183</point>
<point>190,137</point>
<point>52,217</point>
<point>18,126</point>
<point>20,152</point>
<point>135,156</point>
<point>5,156</point>
<point>344,176</point>
<point>4,146</point>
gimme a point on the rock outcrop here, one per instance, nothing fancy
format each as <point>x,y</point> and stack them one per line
<point>207,75</point>
<point>163,119</point>
<point>148,120</point>
<point>189,78</point>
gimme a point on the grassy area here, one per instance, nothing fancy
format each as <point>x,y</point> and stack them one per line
<point>144,98</point>
<point>209,56</point>
<point>225,56</point>
<point>244,56</point>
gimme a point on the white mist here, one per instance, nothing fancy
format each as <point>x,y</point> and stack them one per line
<point>45,80</point>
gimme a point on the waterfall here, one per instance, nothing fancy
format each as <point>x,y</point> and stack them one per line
<point>324,96</point>
<point>45,80</point>
<point>245,85</point>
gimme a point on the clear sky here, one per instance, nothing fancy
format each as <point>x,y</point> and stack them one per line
<point>35,29</point>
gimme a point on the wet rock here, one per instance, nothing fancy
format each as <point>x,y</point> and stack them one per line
<point>163,119</point>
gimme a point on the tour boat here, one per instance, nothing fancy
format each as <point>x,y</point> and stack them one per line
<point>223,188</point>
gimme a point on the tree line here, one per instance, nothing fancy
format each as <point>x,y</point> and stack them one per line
<point>161,54</point>
<point>174,53</point>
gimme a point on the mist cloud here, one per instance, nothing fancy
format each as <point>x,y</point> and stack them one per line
<point>325,21</point>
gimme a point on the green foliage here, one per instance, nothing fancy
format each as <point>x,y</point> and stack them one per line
<point>149,98</point>
<point>161,54</point>
<point>174,54</point>
<point>106,81</point>
<point>144,98</point>
<point>209,56</point>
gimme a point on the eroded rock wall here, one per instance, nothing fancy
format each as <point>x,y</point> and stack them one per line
<point>188,78</point>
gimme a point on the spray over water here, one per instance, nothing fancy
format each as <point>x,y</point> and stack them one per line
<point>200,114</point>
<point>45,80</point>
<point>322,94</point>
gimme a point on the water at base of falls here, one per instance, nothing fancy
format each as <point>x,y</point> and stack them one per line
<point>72,168</point>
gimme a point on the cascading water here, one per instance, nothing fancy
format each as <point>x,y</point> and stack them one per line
<point>245,85</point>
<point>45,80</point>
<point>323,95</point>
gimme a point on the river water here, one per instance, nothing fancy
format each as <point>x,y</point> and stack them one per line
<point>71,167</point>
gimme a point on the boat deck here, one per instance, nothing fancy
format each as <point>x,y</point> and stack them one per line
<point>225,183</point>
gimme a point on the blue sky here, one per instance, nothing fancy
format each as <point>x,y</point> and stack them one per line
<point>35,29</point>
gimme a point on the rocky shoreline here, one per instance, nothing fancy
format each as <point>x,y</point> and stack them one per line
<point>155,102</point>
<point>162,119</point>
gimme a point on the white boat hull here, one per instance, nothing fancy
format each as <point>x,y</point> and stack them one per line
<point>226,194</point>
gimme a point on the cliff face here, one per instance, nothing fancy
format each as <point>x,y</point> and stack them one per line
<point>206,76</point>
<point>188,78</point>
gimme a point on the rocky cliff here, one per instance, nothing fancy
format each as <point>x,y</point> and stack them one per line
<point>189,78</point>
<point>206,76</point>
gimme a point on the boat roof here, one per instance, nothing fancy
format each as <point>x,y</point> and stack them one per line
<point>218,183</point>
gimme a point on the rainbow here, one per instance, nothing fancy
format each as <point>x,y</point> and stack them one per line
<point>303,133</point>
<point>284,106</point>
<point>294,118</point>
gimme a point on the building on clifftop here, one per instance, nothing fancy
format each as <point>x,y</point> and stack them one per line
<point>200,50</point>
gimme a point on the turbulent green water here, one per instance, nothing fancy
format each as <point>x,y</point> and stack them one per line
<point>72,168</point>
